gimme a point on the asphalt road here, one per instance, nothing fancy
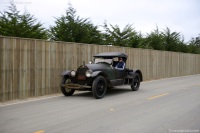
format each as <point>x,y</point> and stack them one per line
<point>167,105</point>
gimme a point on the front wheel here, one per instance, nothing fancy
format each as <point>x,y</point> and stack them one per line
<point>99,87</point>
<point>136,83</point>
<point>64,90</point>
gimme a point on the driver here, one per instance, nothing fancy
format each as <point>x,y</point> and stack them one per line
<point>120,65</point>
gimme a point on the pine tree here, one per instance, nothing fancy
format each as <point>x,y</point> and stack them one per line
<point>12,23</point>
<point>116,36</point>
<point>72,28</point>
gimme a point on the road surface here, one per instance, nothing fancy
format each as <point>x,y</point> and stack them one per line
<point>160,106</point>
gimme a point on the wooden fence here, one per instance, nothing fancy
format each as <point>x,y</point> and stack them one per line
<point>30,67</point>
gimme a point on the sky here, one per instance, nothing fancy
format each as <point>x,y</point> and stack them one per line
<point>144,15</point>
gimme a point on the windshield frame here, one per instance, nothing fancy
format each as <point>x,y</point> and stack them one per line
<point>103,60</point>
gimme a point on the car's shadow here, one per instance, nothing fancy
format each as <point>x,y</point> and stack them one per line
<point>110,92</point>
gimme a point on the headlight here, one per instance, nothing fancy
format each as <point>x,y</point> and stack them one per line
<point>88,73</point>
<point>73,73</point>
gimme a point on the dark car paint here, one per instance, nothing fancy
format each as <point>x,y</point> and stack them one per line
<point>111,55</point>
<point>103,67</point>
<point>114,77</point>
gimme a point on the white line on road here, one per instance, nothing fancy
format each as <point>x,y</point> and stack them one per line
<point>28,100</point>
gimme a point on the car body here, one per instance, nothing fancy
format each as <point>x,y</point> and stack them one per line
<point>100,75</point>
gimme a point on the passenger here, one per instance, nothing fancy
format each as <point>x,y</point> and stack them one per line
<point>120,65</point>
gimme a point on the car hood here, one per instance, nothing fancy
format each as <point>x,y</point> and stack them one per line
<point>97,67</point>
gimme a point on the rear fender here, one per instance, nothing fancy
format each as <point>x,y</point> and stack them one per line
<point>138,72</point>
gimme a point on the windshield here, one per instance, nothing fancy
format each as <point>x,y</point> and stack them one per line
<point>102,60</point>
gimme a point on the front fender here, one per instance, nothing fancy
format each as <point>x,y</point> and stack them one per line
<point>94,74</point>
<point>97,73</point>
<point>65,73</point>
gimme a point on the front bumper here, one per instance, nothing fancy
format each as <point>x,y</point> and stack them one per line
<point>75,86</point>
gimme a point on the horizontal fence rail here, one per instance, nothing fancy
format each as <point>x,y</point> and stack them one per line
<point>30,67</point>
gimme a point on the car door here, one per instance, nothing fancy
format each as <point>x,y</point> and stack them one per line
<point>120,74</point>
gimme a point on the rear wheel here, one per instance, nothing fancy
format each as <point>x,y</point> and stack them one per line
<point>136,83</point>
<point>99,87</point>
<point>64,90</point>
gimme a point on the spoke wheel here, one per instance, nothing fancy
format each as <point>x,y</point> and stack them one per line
<point>99,87</point>
<point>64,90</point>
<point>136,83</point>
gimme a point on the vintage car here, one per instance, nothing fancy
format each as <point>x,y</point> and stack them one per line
<point>100,75</point>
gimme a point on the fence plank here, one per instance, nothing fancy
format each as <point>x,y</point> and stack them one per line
<point>31,67</point>
<point>2,69</point>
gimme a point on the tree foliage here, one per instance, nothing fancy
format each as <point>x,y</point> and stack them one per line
<point>118,37</point>
<point>194,45</point>
<point>127,37</point>
<point>154,40</point>
<point>72,28</point>
<point>12,23</point>
<point>171,40</point>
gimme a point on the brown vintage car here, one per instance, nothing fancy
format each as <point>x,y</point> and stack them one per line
<point>100,76</point>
